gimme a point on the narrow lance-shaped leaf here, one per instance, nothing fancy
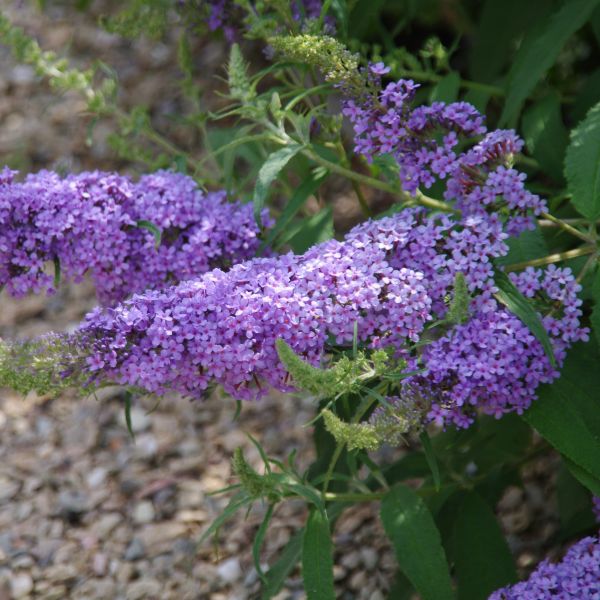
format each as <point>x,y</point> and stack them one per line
<point>545,134</point>
<point>482,558</point>
<point>128,421</point>
<point>268,172</point>
<point>539,52</point>
<point>56,272</point>
<point>313,230</point>
<point>275,577</point>
<point>417,543</point>
<point>259,539</point>
<point>317,558</point>
<point>153,229</point>
<point>582,165</point>
<point>431,459</point>
<point>595,316</point>
<point>511,297</point>
<point>559,419</point>
<point>308,187</point>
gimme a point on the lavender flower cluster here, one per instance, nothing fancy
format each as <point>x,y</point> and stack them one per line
<point>94,223</point>
<point>576,577</point>
<point>391,277</point>
<point>426,142</point>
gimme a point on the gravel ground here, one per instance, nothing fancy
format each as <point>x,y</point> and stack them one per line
<point>84,511</point>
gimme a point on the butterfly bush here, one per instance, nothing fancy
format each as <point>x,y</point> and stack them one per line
<point>391,277</point>
<point>102,224</point>
<point>576,577</point>
<point>427,143</point>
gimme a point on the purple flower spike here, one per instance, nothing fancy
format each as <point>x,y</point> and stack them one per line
<point>576,577</point>
<point>101,224</point>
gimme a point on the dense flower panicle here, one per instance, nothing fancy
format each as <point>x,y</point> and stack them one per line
<point>94,222</point>
<point>223,326</point>
<point>391,277</point>
<point>576,577</point>
<point>426,142</point>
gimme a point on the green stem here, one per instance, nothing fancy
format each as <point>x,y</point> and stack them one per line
<point>553,258</point>
<point>589,263</point>
<point>353,497</point>
<point>418,198</point>
<point>566,227</point>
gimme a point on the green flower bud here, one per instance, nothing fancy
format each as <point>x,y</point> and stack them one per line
<point>458,312</point>
<point>257,486</point>
<point>325,53</point>
<point>357,436</point>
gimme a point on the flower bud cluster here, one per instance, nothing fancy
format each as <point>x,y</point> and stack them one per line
<point>576,577</point>
<point>106,225</point>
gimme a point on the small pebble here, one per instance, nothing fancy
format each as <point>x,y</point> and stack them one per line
<point>21,585</point>
<point>143,512</point>
<point>229,570</point>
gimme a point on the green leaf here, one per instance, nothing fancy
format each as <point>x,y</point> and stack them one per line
<point>589,481</point>
<point>545,135</point>
<point>479,99</point>
<point>581,373</point>
<point>313,230</point>
<point>582,165</point>
<point>259,539</point>
<point>363,16</point>
<point>340,10</point>
<point>308,187</point>
<point>238,501</point>
<point>56,272</point>
<point>482,558</point>
<point>539,51</point>
<point>525,246</point>
<point>276,575</point>
<point>410,466</point>
<point>431,459</point>
<point>317,558</point>
<point>446,90</point>
<point>559,419</point>
<point>268,172</point>
<point>153,229</point>
<point>595,316</point>
<point>574,504</point>
<point>128,397</point>
<point>306,492</point>
<point>587,95</point>
<point>500,26</point>
<point>416,540</point>
<point>401,589</point>
<point>511,297</point>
